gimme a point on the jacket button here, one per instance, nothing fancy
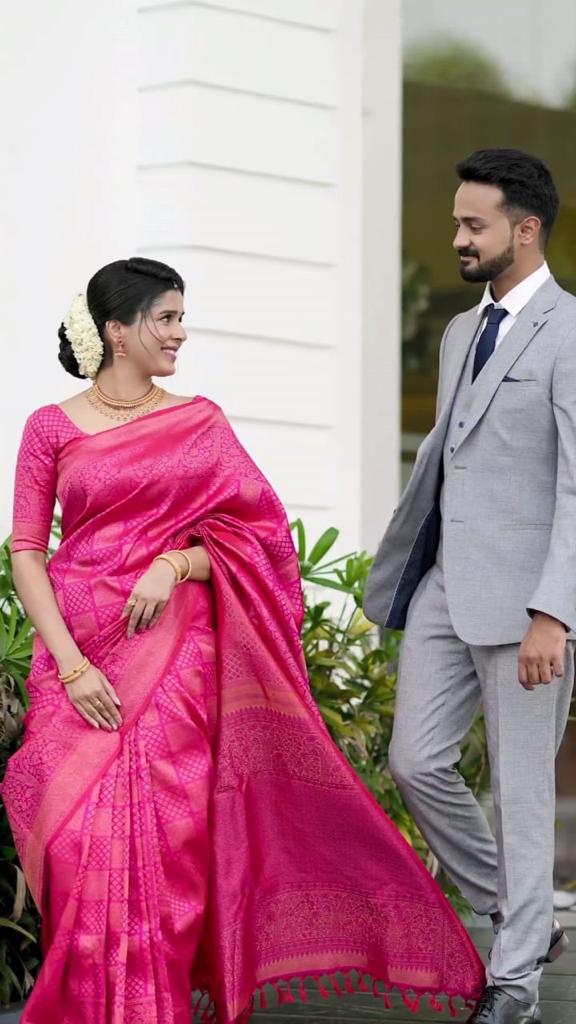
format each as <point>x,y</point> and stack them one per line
<point>452,448</point>
<point>461,424</point>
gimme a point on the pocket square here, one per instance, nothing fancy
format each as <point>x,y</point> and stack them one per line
<point>518,380</point>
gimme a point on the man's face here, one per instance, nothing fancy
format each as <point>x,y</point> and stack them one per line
<point>485,237</point>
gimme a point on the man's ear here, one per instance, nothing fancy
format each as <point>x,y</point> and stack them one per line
<point>528,230</point>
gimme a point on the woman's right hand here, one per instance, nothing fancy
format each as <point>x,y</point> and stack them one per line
<point>95,699</point>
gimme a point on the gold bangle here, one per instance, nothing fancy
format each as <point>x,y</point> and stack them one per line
<point>171,561</point>
<point>76,673</point>
<point>189,562</point>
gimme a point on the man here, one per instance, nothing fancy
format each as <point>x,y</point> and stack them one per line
<point>479,567</point>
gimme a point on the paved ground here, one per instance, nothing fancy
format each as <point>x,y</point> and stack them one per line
<point>558,993</point>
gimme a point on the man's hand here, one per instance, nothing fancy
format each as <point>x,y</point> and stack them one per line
<point>541,656</point>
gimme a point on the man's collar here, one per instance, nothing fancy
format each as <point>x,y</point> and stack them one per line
<point>519,296</point>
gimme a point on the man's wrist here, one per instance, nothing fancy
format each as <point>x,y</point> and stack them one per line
<point>548,620</point>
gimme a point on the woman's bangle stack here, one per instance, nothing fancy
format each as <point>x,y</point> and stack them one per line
<point>180,578</point>
<point>69,677</point>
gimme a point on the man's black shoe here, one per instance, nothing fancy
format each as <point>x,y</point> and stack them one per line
<point>498,1007</point>
<point>559,943</point>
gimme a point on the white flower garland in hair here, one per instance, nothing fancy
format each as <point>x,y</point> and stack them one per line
<point>84,338</point>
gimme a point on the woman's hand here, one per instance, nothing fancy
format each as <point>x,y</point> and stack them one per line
<point>150,596</point>
<point>95,699</point>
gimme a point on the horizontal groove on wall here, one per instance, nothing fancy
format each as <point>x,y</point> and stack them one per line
<point>300,506</point>
<point>229,169</point>
<point>299,261</point>
<point>153,8</point>
<point>266,339</point>
<point>266,421</point>
<point>184,83</point>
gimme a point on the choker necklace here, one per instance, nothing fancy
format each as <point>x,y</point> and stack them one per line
<point>124,409</point>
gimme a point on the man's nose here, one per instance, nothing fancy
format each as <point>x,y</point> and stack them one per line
<point>461,239</point>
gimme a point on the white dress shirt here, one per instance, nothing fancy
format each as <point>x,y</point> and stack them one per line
<point>514,300</point>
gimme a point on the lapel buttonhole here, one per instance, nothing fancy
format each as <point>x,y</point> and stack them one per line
<point>535,323</point>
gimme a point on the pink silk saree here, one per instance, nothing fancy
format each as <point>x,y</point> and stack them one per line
<point>219,841</point>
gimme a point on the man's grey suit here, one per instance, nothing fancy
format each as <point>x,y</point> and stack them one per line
<point>485,532</point>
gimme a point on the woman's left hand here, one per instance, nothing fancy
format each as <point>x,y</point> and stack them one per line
<point>149,597</point>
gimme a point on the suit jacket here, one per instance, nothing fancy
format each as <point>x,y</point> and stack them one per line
<point>509,530</point>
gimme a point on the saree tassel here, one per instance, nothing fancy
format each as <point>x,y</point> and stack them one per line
<point>280,993</point>
<point>435,1004</point>
<point>349,985</point>
<point>375,992</point>
<point>263,1000</point>
<point>336,986</point>
<point>452,1007</point>
<point>411,1004</point>
<point>288,997</point>
<point>302,993</point>
<point>387,1001</point>
<point>362,986</point>
<point>321,989</point>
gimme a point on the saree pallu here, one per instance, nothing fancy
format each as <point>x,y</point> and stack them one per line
<point>219,841</point>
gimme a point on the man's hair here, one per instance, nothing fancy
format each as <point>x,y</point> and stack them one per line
<point>526,183</point>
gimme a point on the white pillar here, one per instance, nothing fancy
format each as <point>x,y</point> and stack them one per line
<point>381,280</point>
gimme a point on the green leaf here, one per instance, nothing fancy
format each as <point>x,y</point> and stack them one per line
<point>323,545</point>
<point>6,923</point>
<point>301,535</point>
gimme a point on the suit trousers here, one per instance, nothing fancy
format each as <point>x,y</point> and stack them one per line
<point>441,684</point>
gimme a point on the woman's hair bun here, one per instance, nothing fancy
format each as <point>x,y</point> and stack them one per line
<point>66,355</point>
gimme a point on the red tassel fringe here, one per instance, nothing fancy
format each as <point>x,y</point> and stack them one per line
<point>204,1010</point>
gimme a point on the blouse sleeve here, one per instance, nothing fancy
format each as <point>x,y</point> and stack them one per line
<point>35,488</point>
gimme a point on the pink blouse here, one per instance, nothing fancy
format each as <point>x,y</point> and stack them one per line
<point>46,432</point>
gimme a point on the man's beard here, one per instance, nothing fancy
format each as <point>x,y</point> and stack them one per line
<point>490,269</point>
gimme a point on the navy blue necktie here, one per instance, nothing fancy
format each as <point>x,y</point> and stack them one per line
<point>487,340</point>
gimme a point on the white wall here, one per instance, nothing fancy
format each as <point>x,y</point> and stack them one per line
<point>225,138</point>
<point>250,184</point>
<point>67,173</point>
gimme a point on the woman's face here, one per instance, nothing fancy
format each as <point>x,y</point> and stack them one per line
<point>153,341</point>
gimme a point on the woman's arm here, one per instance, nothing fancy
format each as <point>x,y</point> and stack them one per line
<point>91,694</point>
<point>34,497</point>
<point>35,591</point>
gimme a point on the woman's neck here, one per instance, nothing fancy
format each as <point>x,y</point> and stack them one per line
<point>118,383</point>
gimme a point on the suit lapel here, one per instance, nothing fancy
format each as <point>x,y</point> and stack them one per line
<point>530,321</point>
<point>453,367</point>
<point>467,330</point>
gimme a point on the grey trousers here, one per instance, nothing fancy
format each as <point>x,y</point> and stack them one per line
<point>441,683</point>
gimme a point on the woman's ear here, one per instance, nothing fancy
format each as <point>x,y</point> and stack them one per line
<point>115,333</point>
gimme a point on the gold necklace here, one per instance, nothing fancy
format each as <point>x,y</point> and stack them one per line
<point>124,409</point>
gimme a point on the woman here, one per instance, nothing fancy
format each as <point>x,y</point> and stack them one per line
<point>183,818</point>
